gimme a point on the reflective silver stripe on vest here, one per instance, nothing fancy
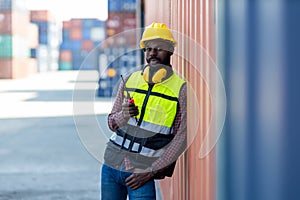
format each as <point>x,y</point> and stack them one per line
<point>145,151</point>
<point>151,127</point>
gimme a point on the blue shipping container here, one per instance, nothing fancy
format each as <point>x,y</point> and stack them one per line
<point>66,45</point>
<point>114,5</point>
<point>43,26</point>
<point>43,39</point>
<point>9,5</point>
<point>90,23</point>
<point>121,5</point>
<point>86,33</point>
<point>32,53</point>
<point>5,5</point>
<point>76,44</point>
<point>65,34</point>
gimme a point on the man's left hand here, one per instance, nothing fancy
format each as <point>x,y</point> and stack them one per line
<point>138,178</point>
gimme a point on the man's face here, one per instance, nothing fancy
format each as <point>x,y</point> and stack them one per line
<point>157,52</point>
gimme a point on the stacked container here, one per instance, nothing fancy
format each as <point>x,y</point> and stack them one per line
<point>79,38</point>
<point>17,35</point>
<point>119,56</point>
<point>46,52</point>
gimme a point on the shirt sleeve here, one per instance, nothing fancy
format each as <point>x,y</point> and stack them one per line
<point>178,144</point>
<point>115,118</point>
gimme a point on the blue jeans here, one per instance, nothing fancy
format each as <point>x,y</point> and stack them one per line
<point>113,186</point>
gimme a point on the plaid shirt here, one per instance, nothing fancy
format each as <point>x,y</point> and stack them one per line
<point>116,119</point>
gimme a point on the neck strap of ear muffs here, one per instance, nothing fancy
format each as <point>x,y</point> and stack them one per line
<point>156,73</point>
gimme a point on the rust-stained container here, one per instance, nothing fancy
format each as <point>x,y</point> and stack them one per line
<point>42,16</point>
<point>194,177</point>
<point>65,55</point>
<point>17,68</point>
<point>14,22</point>
<point>75,33</point>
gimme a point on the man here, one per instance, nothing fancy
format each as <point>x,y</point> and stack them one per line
<point>149,123</point>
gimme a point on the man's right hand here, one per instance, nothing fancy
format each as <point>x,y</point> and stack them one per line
<point>129,110</point>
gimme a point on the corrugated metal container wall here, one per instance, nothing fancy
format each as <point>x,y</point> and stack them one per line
<point>194,178</point>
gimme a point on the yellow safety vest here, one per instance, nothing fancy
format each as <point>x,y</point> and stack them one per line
<point>152,129</point>
<point>157,105</point>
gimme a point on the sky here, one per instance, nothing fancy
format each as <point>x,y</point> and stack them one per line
<point>67,9</point>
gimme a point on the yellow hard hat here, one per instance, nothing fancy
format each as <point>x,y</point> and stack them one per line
<point>157,31</point>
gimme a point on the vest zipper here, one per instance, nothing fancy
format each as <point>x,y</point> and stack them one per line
<point>145,103</point>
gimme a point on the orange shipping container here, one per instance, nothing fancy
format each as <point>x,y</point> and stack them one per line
<point>76,23</point>
<point>194,177</point>
<point>87,45</point>
<point>65,55</point>
<point>66,25</point>
<point>76,34</point>
<point>41,16</point>
<point>17,68</point>
<point>14,22</point>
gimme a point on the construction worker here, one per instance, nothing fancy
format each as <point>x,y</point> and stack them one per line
<point>148,121</point>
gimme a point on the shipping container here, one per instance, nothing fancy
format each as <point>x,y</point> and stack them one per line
<point>65,56</point>
<point>17,68</point>
<point>195,174</point>
<point>120,60</point>
<point>33,35</point>
<point>53,58</point>
<point>76,45</point>
<point>80,36</point>
<point>54,34</point>
<point>65,65</point>
<point>66,25</point>
<point>118,22</point>
<point>89,23</point>
<point>98,33</point>
<point>44,39</point>
<point>65,34</point>
<point>43,26</point>
<point>86,33</point>
<point>14,22</point>
<point>121,5</point>
<point>76,23</point>
<point>77,58</point>
<point>75,33</point>
<point>87,45</point>
<point>15,5</point>
<point>13,46</point>
<point>42,55</point>
<point>66,45</point>
<point>42,16</point>
<point>33,53</point>
<point>48,33</point>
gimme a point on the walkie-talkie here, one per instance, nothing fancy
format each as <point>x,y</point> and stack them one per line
<point>128,98</point>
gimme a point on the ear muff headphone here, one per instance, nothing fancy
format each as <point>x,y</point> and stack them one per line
<point>155,74</point>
